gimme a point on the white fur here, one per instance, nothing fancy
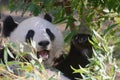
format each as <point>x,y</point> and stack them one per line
<point>39,26</point>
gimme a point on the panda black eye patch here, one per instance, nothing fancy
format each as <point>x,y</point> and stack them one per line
<point>51,35</point>
<point>30,35</point>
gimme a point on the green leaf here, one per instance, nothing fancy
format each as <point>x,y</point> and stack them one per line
<point>12,6</point>
<point>80,70</point>
<point>15,63</point>
<point>90,16</point>
<point>34,8</point>
<point>59,20</point>
<point>13,44</point>
<point>97,35</point>
<point>109,28</point>
<point>70,20</point>
<point>70,35</point>
<point>9,53</point>
<point>5,55</point>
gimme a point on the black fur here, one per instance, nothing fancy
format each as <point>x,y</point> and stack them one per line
<point>8,26</point>
<point>77,56</point>
<point>48,17</point>
<point>51,35</point>
<point>29,36</point>
<point>8,56</point>
<point>44,43</point>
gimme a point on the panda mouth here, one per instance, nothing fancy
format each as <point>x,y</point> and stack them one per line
<point>44,54</point>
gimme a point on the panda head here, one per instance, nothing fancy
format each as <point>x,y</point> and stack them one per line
<point>47,37</point>
<point>81,39</point>
<point>81,43</point>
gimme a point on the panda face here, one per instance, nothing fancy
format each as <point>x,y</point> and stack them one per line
<point>43,45</point>
<point>82,44</point>
<point>48,39</point>
<point>82,39</point>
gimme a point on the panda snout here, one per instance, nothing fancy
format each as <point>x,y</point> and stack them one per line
<point>43,43</point>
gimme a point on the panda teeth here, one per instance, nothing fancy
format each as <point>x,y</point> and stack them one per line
<point>44,58</point>
<point>44,54</point>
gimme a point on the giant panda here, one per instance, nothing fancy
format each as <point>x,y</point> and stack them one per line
<point>79,54</point>
<point>48,39</point>
<point>49,43</point>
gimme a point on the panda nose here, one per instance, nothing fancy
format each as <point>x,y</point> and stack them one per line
<point>44,43</point>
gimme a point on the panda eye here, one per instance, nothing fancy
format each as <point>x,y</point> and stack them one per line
<point>76,38</point>
<point>51,35</point>
<point>30,35</point>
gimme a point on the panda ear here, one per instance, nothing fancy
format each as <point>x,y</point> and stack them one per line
<point>48,17</point>
<point>8,26</point>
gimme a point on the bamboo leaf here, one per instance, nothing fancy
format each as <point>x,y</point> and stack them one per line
<point>5,55</point>
<point>9,53</point>
<point>96,34</point>
<point>109,28</point>
<point>70,35</point>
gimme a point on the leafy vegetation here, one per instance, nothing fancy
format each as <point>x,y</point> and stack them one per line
<point>103,66</point>
<point>24,70</point>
